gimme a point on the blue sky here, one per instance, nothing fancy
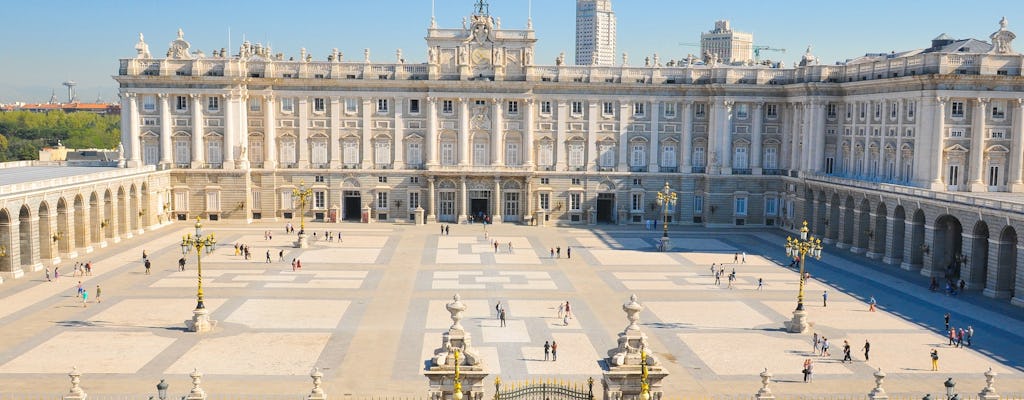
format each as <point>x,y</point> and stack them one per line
<point>47,42</point>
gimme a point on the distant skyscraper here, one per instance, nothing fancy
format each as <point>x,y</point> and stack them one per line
<point>595,32</point>
<point>729,45</point>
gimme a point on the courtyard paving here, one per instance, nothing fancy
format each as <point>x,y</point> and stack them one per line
<point>369,312</point>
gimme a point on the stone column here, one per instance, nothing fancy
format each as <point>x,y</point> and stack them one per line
<point>431,196</point>
<point>883,172</point>
<point>231,130</point>
<point>590,161</point>
<point>871,251</point>
<point>528,197</point>
<point>1018,297</point>
<point>10,237</point>
<point>463,200</point>
<point>528,130</point>
<point>497,132</point>
<point>817,153</point>
<point>333,143</point>
<point>655,145</point>
<point>464,133</point>
<point>270,133</point>
<point>937,148</point>
<point>807,136</point>
<point>560,127</point>
<point>726,118</point>
<point>303,142</point>
<point>928,259</point>
<point>977,155</point>
<point>755,138</point>
<point>842,241</point>
<point>898,154</point>
<point>858,230</point>
<point>198,131</point>
<point>165,130</point>
<point>135,145</point>
<point>242,134</point>
<point>366,158</point>
<point>34,263</point>
<point>496,214</point>
<point>398,161</point>
<point>431,143</point>
<point>624,119</point>
<point>786,150</point>
<point>685,147</point>
<point>1017,148</point>
<point>891,239</point>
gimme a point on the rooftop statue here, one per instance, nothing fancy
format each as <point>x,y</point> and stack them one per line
<point>1002,39</point>
<point>142,48</point>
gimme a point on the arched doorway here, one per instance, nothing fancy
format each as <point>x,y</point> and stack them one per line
<point>975,267</point>
<point>149,211</point>
<point>879,232</point>
<point>917,245</point>
<point>863,232</point>
<point>108,215</point>
<point>95,218</point>
<point>899,239</point>
<point>847,238</point>
<point>81,228</point>
<point>446,201</point>
<point>946,245</point>
<point>7,261</point>
<point>64,234</point>
<point>25,235</point>
<point>44,234</point>
<point>511,193</point>
<point>1005,274</point>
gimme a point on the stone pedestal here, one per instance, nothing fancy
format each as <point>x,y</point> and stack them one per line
<point>200,322</point>
<point>799,322</point>
<point>623,216</point>
<point>302,242</point>
<point>591,216</point>
<point>878,393</point>
<point>76,392</point>
<point>631,366</point>
<point>419,214</point>
<point>989,392</point>
<point>765,393</point>
<point>456,358</point>
<point>197,393</point>
<point>665,244</point>
<point>542,217</point>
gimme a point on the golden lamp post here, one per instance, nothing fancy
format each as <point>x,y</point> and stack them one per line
<point>801,248</point>
<point>666,199</point>
<point>200,317</point>
<point>645,385</point>
<point>302,195</point>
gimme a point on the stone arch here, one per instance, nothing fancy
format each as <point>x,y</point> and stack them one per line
<point>350,183</point>
<point>95,218</point>
<point>81,228</point>
<point>848,232</point>
<point>108,215</point>
<point>832,224</point>
<point>947,243</point>
<point>27,242</point>
<point>43,231</point>
<point>133,208</point>
<point>879,230</point>
<point>864,225</point>
<point>1004,280</point>
<point>121,224</point>
<point>976,271</point>
<point>64,234</point>
<point>7,261</point>
<point>820,215</point>
<point>899,231</point>
<point>917,245</point>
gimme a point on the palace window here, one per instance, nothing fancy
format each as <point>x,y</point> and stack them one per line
<point>957,109</point>
<point>740,206</point>
<point>414,106</point>
<point>894,110</point>
<point>638,109</point>
<point>997,111</point>
<point>382,152</point>
<point>668,156</point>
<point>512,154</point>
<point>953,175</point>
<point>382,199</point>
<point>670,110</point>
<point>771,206</point>
<point>319,105</point>
<point>287,105</point>
<point>480,156</point>
<point>997,134</point>
<point>447,107</point>
<point>213,103</point>
<point>576,154</point>
<point>607,152</point>
<point>545,201</point>
<point>287,151</point>
<point>181,104</point>
<point>771,157</point>
<point>830,163</point>
<point>382,179</point>
<point>607,108</point>
<point>993,175</point>
<point>957,132</point>
<point>830,110</point>
<point>699,156</point>
<point>637,202</point>
<point>742,111</point>
<point>575,181</point>
<point>382,106</point>
<point>771,110</point>
<point>149,103</point>
<point>351,106</point>
<point>415,154</point>
<point>545,154</point>
<point>740,158</point>
<point>513,107</point>
<point>545,107</point>
<point>319,200</point>
<point>414,200</point>
<point>350,152</point>
<point>447,153</point>
<point>699,110</point>
<point>214,155</point>
<point>575,201</point>
<point>577,107</point>
<point>638,155</point>
<point>878,110</point>
<point>698,205</point>
<point>255,104</point>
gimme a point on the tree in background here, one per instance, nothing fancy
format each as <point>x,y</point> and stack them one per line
<point>23,133</point>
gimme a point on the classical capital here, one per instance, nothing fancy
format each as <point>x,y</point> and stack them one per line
<point>759,104</point>
<point>195,95</point>
<point>162,96</point>
<point>1020,102</point>
<point>941,100</point>
<point>269,98</point>
<point>496,101</point>
<point>983,100</point>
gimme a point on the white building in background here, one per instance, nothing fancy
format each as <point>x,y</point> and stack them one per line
<point>595,32</point>
<point>728,45</point>
<point>913,158</point>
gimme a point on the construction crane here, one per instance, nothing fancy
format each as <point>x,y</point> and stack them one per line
<point>759,49</point>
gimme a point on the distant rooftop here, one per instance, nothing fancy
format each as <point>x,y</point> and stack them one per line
<point>16,175</point>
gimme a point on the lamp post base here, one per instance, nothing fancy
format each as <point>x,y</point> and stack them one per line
<point>799,322</point>
<point>665,243</point>
<point>200,322</point>
<point>302,242</point>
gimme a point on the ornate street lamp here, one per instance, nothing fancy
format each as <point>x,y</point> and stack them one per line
<point>666,199</point>
<point>805,245</point>
<point>302,194</point>
<point>161,390</point>
<point>200,318</point>
<point>457,387</point>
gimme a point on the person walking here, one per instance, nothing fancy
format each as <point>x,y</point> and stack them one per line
<point>558,252</point>
<point>846,352</point>
<point>808,369</point>
<point>960,338</point>
<point>867,350</point>
<point>552,252</point>
<point>280,255</point>
<point>98,294</point>
<point>736,258</point>
<point>554,351</point>
<point>871,304</point>
<point>824,347</point>
<point>568,311</point>
<point>970,334</point>
<point>56,273</point>
<point>497,309</point>
<point>568,252</point>
<point>181,264</point>
<point>510,247</point>
<point>501,315</point>
<point>760,284</point>
<point>824,298</point>
<point>47,274</point>
<point>946,318</point>
<point>561,310</point>
<point>293,265</point>
<point>935,360</point>
<point>85,298</point>
<point>743,258</point>
<point>547,351</point>
<point>952,335</point>
<point>268,256</point>
<point>298,264</point>
<point>447,231</point>
<point>495,247</point>
<point>79,291</point>
<point>148,266</point>
<point>816,340</point>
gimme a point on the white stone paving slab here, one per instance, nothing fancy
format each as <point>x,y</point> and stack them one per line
<point>340,256</point>
<point>702,315</point>
<point>318,284</point>
<point>289,313</point>
<point>94,352</point>
<point>151,313</point>
<point>576,356</point>
<point>263,278</point>
<point>844,315</point>
<point>259,353</point>
<point>909,353</point>
<point>191,282</point>
<point>627,257</point>
<point>750,353</point>
<point>546,310</point>
<point>514,331</point>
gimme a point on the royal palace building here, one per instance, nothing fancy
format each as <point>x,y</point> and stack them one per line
<point>911,158</point>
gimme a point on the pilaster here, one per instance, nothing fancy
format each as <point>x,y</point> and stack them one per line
<point>333,141</point>
<point>165,130</point>
<point>398,161</point>
<point>270,133</point>
<point>891,239</point>
<point>977,154</point>
<point>755,138</point>
<point>198,156</point>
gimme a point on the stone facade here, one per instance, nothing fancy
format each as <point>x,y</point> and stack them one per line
<point>480,130</point>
